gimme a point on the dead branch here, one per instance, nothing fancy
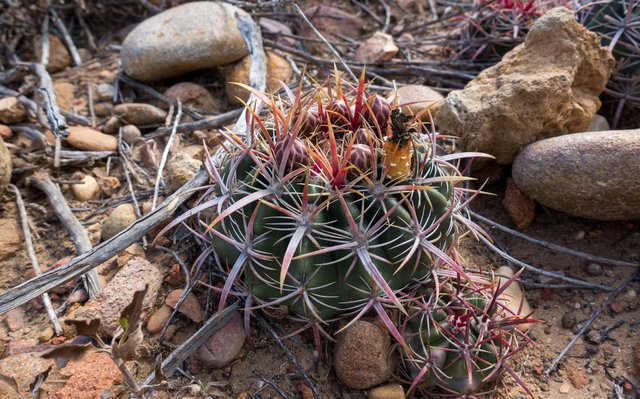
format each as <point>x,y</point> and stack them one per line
<point>34,259</point>
<point>73,50</point>
<point>83,263</point>
<point>165,155</point>
<point>214,122</point>
<point>78,234</point>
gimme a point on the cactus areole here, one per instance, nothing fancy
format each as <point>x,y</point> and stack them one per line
<point>332,203</point>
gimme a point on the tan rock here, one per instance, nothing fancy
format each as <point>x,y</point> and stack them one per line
<point>87,190</point>
<point>361,355</point>
<point>415,99</point>
<point>112,125</point>
<point>179,171</point>
<point>140,114</point>
<point>103,109</point>
<point>5,167</point>
<point>193,95</point>
<point>592,175</point>
<point>334,23</point>
<point>379,47</point>
<point>118,293</point>
<point>120,218</point>
<point>520,208</point>
<point>64,95</point>
<point>514,298</point>
<point>278,69</point>
<point>12,110</point>
<point>190,307</point>
<point>391,391</point>
<point>131,134</point>
<point>59,57</point>
<point>182,39</point>
<point>158,318</point>
<point>85,138</point>
<point>545,87</point>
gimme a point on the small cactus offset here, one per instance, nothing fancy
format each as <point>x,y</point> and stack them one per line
<point>334,203</point>
<point>461,335</point>
<point>618,24</point>
<point>494,27</point>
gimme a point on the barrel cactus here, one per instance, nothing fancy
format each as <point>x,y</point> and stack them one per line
<point>332,203</point>
<point>461,334</point>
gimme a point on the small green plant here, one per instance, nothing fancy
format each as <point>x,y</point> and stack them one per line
<point>461,335</point>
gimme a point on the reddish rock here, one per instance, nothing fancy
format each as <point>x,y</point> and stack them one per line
<point>520,208</point>
<point>190,307</point>
<point>223,346</point>
<point>24,368</point>
<point>14,319</point>
<point>89,378</point>
<point>59,57</point>
<point>158,318</point>
<point>577,377</point>
<point>379,47</point>
<point>5,132</point>
<point>10,239</point>
<point>278,69</point>
<point>193,95</point>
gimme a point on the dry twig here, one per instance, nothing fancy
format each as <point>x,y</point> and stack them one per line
<point>34,259</point>
<point>78,234</point>
<point>165,155</point>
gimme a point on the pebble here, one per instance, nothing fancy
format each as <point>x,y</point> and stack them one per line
<point>193,95</point>
<point>104,92</point>
<point>119,219</point>
<point>45,335</point>
<point>391,391</point>
<point>584,174</point>
<point>379,47</point>
<point>223,346</point>
<point>24,368</point>
<point>179,171</point>
<point>361,355</point>
<point>280,31</point>
<point>85,138</point>
<point>131,134</point>
<point>140,114</point>
<point>5,132</point>
<point>520,208</point>
<point>182,39</point>
<point>87,190</point>
<point>568,320</point>
<point>594,269</point>
<point>565,388</point>
<point>594,337</point>
<point>118,293</point>
<point>14,319</point>
<point>12,110</point>
<point>580,235</point>
<point>158,319</point>
<point>103,109</point>
<point>78,296</point>
<point>190,307</point>
<point>112,125</point>
<point>421,98</point>
<point>514,297</point>
<point>59,57</point>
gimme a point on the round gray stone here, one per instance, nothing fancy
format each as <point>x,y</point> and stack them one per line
<point>594,175</point>
<point>183,39</point>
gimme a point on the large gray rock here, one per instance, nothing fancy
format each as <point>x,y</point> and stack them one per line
<point>594,175</point>
<point>183,39</point>
<point>547,86</point>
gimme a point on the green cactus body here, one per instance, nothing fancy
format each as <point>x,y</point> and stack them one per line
<point>457,337</point>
